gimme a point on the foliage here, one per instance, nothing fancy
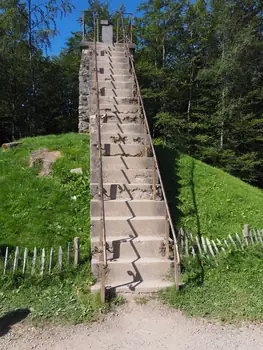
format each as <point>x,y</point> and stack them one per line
<point>206,200</point>
<point>200,68</point>
<point>231,291</point>
<point>56,298</point>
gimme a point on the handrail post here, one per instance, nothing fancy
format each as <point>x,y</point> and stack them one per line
<point>167,235</point>
<point>98,33</point>
<point>83,26</point>
<point>154,181</point>
<point>103,257</point>
<point>117,31</point>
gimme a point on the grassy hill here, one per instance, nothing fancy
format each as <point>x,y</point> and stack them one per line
<point>50,211</point>
<point>206,199</point>
<point>39,211</point>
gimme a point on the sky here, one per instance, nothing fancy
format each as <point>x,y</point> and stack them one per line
<point>70,24</point>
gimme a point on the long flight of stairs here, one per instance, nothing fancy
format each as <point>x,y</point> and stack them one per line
<point>135,223</point>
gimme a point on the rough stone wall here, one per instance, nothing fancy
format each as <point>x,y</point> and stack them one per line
<point>85,90</point>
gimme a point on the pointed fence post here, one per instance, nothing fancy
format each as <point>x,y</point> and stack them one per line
<point>76,251</point>
<point>6,260</point>
<point>50,260</point>
<point>25,260</point>
<point>60,258</point>
<point>43,262</point>
<point>246,233</point>
<point>34,261</point>
<point>16,260</point>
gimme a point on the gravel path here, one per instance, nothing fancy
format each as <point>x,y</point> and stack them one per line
<point>132,326</point>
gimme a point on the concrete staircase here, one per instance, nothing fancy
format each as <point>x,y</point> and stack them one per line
<point>135,223</point>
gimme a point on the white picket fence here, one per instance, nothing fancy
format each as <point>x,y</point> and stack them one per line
<point>42,261</point>
<point>191,245</point>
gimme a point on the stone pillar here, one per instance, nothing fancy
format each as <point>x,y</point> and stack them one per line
<point>107,32</point>
<point>84,89</point>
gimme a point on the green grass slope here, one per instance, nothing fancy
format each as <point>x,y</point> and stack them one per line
<point>229,292</point>
<point>39,211</point>
<point>207,200</point>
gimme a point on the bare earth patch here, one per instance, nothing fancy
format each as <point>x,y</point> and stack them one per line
<point>46,158</point>
<point>147,326</point>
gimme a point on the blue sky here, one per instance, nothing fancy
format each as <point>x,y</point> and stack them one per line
<point>70,24</point>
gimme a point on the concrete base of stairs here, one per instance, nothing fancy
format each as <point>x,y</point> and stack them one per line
<point>133,289</point>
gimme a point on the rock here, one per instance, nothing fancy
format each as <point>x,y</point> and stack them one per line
<point>46,158</point>
<point>76,171</point>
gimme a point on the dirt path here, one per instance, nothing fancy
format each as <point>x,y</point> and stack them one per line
<point>132,326</point>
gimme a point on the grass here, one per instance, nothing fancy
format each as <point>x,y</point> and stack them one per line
<point>230,292</point>
<point>40,211</point>
<point>206,200</point>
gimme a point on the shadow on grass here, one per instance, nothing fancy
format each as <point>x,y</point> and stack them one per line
<point>168,163</point>
<point>12,318</point>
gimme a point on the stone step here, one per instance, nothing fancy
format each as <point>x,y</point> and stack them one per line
<point>118,162</point>
<point>120,138</point>
<point>120,85</point>
<point>124,176</point>
<point>118,128</point>
<point>147,247</point>
<point>129,208</point>
<point>121,118</point>
<point>125,191</point>
<point>127,78</point>
<point>129,227</point>
<point>113,54</point>
<point>122,150</point>
<point>109,48</point>
<point>113,108</point>
<point>113,60</point>
<point>128,270</point>
<point>112,72</point>
<point>113,100</point>
<point>136,288</point>
<point>109,63</point>
<point>117,92</point>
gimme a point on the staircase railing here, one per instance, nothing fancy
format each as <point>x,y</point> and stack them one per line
<point>103,239</point>
<point>156,170</point>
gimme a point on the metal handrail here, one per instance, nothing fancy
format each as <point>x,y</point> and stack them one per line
<point>169,217</point>
<point>103,239</point>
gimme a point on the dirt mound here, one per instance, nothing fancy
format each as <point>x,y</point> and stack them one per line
<point>46,158</point>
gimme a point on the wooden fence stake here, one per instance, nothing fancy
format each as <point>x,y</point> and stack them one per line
<point>239,240</point>
<point>226,244</point>
<point>25,260</point>
<point>222,248</point>
<point>60,258</point>
<point>215,246</point>
<point>255,236</point>
<point>193,245</point>
<point>69,252</point>
<point>210,247</point>
<point>233,242</point>
<point>204,245</point>
<point>198,244</point>
<point>34,261</point>
<point>246,233</point>
<point>6,260</point>
<point>16,260</point>
<point>50,260</point>
<point>186,244</point>
<point>259,236</point>
<point>43,262</point>
<point>76,251</point>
